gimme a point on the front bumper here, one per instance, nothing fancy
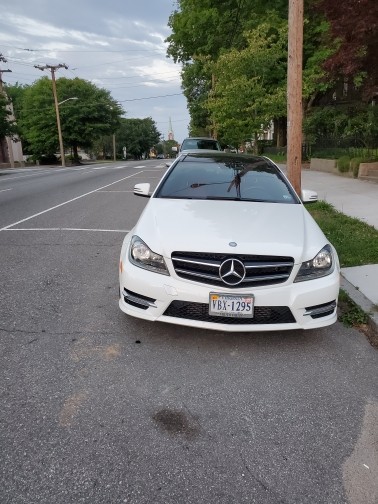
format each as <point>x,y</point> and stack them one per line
<point>155,297</point>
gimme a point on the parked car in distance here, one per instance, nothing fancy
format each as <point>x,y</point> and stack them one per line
<point>199,143</point>
<point>225,243</point>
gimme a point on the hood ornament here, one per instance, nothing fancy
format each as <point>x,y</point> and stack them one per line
<point>233,244</point>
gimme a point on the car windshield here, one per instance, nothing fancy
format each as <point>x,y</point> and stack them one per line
<point>226,177</point>
<point>194,143</point>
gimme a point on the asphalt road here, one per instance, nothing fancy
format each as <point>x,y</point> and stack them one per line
<point>97,407</point>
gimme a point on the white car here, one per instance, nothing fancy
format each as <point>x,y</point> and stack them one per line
<point>225,243</point>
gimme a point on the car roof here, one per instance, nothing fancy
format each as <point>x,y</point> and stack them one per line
<point>201,138</point>
<point>222,155</point>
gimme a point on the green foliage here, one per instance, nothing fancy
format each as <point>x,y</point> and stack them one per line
<point>351,314</point>
<point>357,121</point>
<point>355,165</point>
<point>209,34</point>
<point>355,241</point>
<point>343,164</point>
<point>167,148</point>
<point>250,84</point>
<point>138,136</point>
<point>208,27</point>
<point>84,120</point>
<point>196,82</point>
<point>8,125</point>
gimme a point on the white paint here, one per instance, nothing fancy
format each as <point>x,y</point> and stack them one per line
<point>67,202</point>
<point>71,229</point>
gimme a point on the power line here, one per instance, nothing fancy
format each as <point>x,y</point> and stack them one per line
<point>149,97</point>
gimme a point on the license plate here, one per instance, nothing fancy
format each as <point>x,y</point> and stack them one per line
<point>231,305</point>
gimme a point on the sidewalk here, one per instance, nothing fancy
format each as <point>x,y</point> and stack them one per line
<point>356,198</point>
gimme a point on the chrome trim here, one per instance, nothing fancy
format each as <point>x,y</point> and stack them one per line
<point>322,309</point>
<point>269,265</point>
<point>138,300</point>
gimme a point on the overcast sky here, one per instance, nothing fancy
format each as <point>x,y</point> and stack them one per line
<point>116,44</point>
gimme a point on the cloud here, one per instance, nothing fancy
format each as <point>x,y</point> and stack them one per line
<point>118,45</point>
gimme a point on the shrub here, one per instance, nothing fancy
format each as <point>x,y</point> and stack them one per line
<point>343,164</point>
<point>355,165</point>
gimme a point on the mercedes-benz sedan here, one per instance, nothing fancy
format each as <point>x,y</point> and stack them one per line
<point>225,243</point>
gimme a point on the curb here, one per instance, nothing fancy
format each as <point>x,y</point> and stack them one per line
<point>362,301</point>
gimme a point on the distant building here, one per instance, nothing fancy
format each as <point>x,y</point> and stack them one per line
<point>11,148</point>
<point>171,136</point>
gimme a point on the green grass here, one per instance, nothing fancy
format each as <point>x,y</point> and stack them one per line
<point>277,158</point>
<point>350,313</point>
<point>356,242</point>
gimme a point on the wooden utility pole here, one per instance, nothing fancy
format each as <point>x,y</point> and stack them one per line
<point>294,94</point>
<point>53,69</point>
<point>114,148</point>
<point>2,59</point>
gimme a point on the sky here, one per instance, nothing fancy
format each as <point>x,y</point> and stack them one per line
<point>116,44</point>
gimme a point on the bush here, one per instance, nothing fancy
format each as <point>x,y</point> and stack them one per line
<point>343,164</point>
<point>355,165</point>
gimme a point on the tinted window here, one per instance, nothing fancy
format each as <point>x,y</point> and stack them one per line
<point>193,144</point>
<point>221,177</point>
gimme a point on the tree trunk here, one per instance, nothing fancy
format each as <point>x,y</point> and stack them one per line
<point>280,132</point>
<point>76,159</point>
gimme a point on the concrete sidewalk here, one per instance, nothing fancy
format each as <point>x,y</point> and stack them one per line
<point>358,199</point>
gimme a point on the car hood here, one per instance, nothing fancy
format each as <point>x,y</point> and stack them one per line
<point>168,225</point>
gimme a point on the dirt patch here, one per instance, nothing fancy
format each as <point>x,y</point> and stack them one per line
<point>370,333</point>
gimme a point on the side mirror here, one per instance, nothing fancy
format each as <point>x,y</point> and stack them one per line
<point>142,190</point>
<point>309,196</point>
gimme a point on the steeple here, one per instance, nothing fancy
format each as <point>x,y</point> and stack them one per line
<point>170,131</point>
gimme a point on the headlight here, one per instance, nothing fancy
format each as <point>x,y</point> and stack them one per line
<point>143,257</point>
<point>321,265</point>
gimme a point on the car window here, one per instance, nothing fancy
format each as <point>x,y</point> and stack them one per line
<point>252,179</point>
<point>193,144</point>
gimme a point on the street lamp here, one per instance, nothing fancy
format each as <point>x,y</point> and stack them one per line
<point>62,157</point>
<point>73,98</point>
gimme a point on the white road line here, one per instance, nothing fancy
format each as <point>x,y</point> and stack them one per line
<point>138,167</point>
<point>3,190</point>
<point>66,202</point>
<point>71,229</point>
<point>22,176</point>
<point>117,191</point>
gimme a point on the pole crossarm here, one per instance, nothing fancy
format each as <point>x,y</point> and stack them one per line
<point>3,60</point>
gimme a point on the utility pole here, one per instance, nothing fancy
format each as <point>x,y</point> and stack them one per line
<point>2,59</point>
<point>294,94</point>
<point>114,148</point>
<point>53,69</point>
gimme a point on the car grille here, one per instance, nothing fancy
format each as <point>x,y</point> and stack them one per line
<point>259,270</point>
<point>200,311</point>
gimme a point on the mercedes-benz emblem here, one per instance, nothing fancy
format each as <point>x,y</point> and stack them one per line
<point>232,271</point>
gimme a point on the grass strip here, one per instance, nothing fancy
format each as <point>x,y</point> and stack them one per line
<point>355,241</point>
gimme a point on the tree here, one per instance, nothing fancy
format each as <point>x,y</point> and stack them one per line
<point>354,31</point>
<point>201,31</point>
<point>197,83</point>
<point>8,125</point>
<point>138,136</point>
<point>250,85</point>
<point>94,114</point>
